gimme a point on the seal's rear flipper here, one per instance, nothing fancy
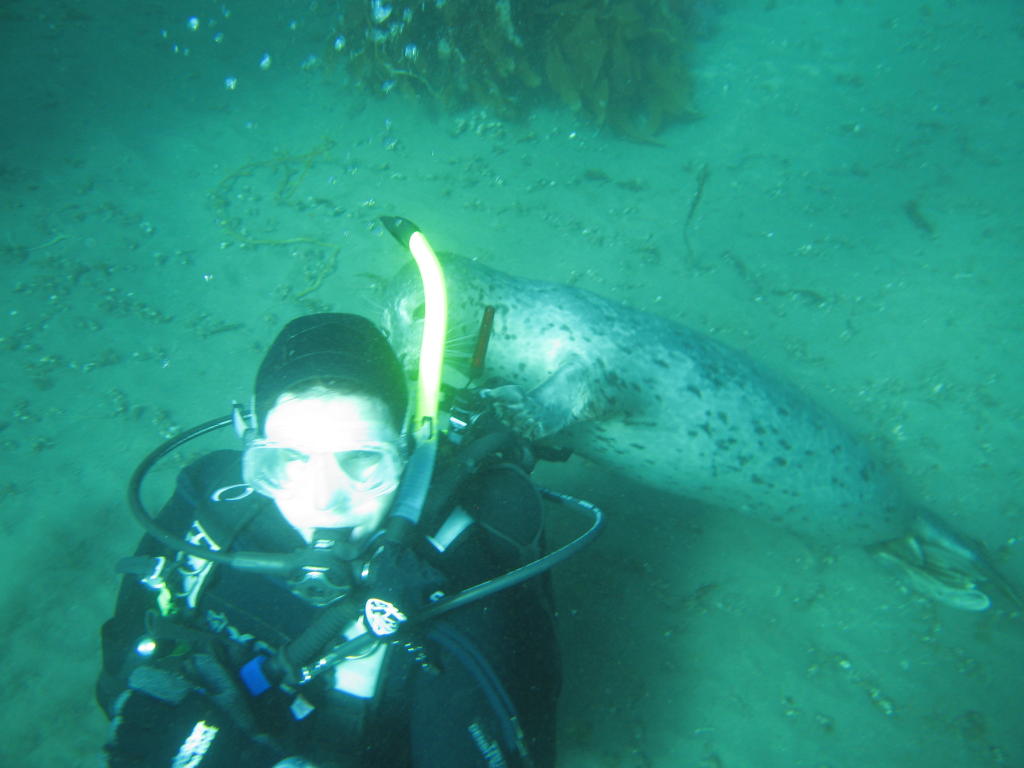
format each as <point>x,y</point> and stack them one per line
<point>946,566</point>
<point>949,587</point>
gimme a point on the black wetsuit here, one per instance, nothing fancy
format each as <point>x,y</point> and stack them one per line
<point>476,686</point>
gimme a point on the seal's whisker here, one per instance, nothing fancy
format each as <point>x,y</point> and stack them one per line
<point>460,338</point>
<point>460,341</point>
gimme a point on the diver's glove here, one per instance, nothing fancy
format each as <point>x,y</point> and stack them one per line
<point>148,732</point>
<point>186,710</point>
<point>397,576</point>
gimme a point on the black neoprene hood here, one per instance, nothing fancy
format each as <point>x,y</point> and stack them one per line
<point>331,347</point>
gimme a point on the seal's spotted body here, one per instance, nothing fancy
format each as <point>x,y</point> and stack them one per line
<point>665,405</point>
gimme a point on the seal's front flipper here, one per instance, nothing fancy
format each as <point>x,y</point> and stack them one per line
<point>560,400</point>
<point>947,566</point>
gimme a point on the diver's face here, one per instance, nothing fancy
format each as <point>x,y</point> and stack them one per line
<point>332,462</point>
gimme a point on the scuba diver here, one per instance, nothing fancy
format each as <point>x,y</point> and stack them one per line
<point>352,588</point>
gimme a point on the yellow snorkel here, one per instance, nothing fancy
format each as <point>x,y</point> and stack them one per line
<point>435,325</point>
<point>425,428</point>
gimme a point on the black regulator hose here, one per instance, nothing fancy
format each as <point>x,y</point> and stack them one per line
<point>286,665</point>
<point>528,571</point>
<point>361,644</point>
<point>262,562</point>
<point>135,492</point>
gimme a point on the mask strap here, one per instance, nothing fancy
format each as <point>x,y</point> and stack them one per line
<point>244,420</point>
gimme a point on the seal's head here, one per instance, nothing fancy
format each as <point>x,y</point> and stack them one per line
<point>402,316</point>
<point>404,307</point>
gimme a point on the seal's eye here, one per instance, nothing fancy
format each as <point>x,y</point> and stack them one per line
<point>411,312</point>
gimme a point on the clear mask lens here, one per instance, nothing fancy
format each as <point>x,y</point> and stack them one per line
<point>369,470</point>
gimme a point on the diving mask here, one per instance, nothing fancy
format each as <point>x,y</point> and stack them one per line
<point>370,469</point>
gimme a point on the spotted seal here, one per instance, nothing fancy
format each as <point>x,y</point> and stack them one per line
<point>679,411</point>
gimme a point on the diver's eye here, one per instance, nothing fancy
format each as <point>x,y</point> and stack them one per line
<point>361,466</point>
<point>290,456</point>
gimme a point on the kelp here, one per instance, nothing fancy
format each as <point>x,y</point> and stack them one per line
<point>618,63</point>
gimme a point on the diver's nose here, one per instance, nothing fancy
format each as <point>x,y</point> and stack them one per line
<point>329,490</point>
